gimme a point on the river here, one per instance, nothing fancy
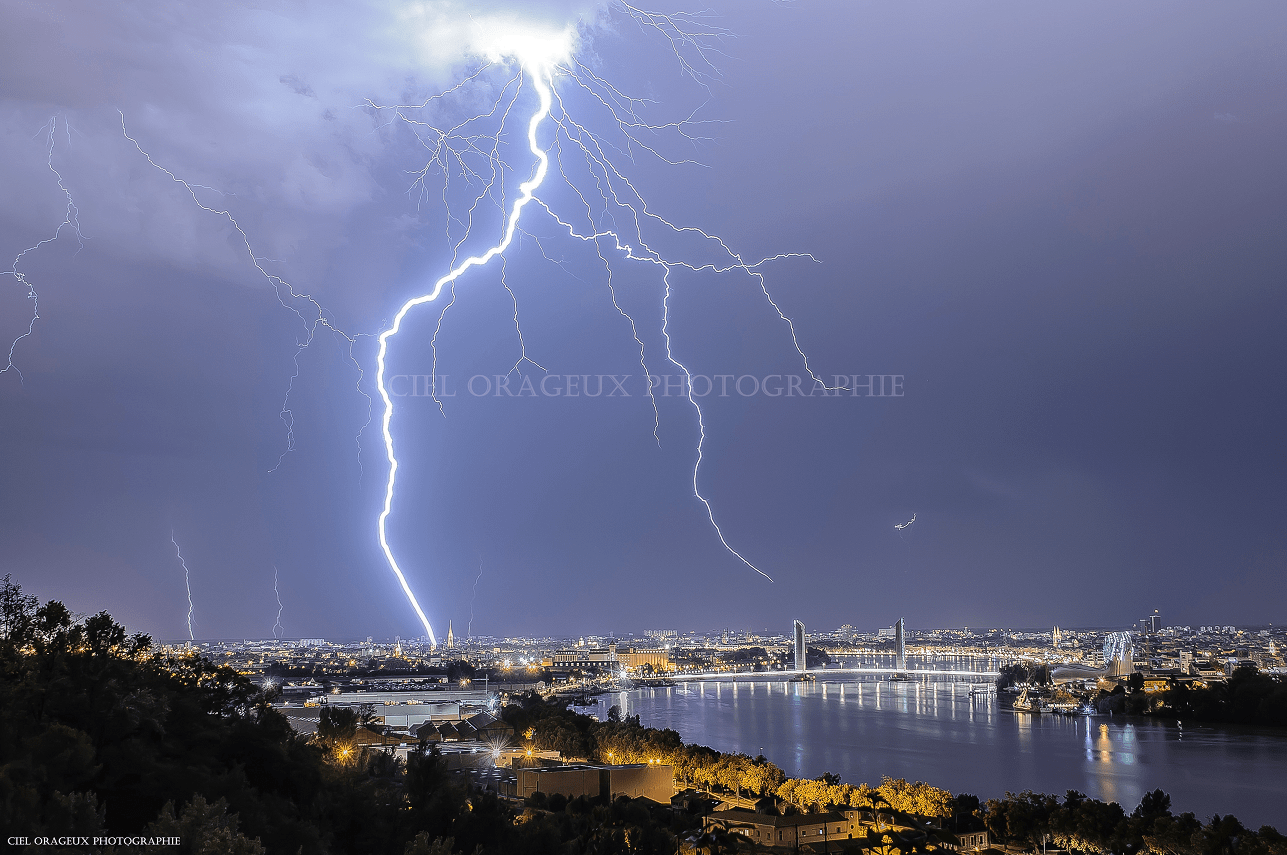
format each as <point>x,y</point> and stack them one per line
<point>934,730</point>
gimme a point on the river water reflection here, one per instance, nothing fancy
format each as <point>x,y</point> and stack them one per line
<point>933,729</point>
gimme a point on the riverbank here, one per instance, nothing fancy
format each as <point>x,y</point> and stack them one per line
<point>938,732</point>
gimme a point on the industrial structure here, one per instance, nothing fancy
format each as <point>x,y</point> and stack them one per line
<point>1119,661</point>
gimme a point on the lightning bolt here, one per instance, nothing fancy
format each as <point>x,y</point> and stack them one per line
<point>525,191</point>
<point>277,624</point>
<point>469,628</point>
<point>454,151</point>
<point>615,215</point>
<point>187,583</point>
<point>70,220</point>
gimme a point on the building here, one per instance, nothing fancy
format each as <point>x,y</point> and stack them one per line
<point>1119,661</point>
<point>635,658</point>
<point>365,737</point>
<point>1119,654</point>
<point>900,646</point>
<point>971,841</point>
<point>451,636</point>
<point>585,658</point>
<point>480,727</point>
<point>800,650</point>
<point>786,832</point>
<point>655,781</point>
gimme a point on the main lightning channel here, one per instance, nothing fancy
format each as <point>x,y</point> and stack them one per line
<point>526,190</point>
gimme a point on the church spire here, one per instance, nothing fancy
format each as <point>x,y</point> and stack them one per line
<point>451,638</point>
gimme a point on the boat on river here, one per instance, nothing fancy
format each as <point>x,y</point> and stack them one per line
<point>1029,704</point>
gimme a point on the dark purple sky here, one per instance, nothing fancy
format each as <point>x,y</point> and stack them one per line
<point>1064,226</point>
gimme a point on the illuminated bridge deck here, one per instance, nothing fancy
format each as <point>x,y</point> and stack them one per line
<point>829,675</point>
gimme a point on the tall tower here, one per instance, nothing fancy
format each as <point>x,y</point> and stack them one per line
<point>799,646</point>
<point>900,644</point>
<point>451,637</point>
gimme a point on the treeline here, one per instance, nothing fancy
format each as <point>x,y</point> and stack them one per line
<point>1083,824</point>
<point>104,736</point>
<point>550,725</point>
<point>1247,697</point>
<point>1016,673</point>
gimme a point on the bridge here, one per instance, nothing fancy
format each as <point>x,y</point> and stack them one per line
<point>824,674</point>
<point>900,668</point>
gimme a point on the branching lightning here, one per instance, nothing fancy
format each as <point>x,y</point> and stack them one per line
<point>310,312</point>
<point>611,215</point>
<point>70,220</point>
<point>613,209</point>
<point>187,583</point>
<point>277,624</point>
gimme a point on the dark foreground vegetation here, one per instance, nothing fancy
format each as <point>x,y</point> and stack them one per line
<point>100,734</point>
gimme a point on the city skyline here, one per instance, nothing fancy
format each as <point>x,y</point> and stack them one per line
<point>1046,251</point>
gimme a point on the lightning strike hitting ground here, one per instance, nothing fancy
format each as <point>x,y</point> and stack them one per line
<point>277,624</point>
<point>70,220</point>
<point>525,195</point>
<point>612,215</point>
<point>187,583</point>
<point>575,149</point>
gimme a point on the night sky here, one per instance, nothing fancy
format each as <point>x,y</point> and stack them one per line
<point>1065,226</point>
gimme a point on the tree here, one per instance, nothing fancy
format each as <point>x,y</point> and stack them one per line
<point>1152,806</point>
<point>422,845</point>
<point>1168,835</point>
<point>17,611</point>
<point>337,726</point>
<point>202,829</point>
<point>880,842</point>
<point>762,777</point>
<point>919,799</point>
